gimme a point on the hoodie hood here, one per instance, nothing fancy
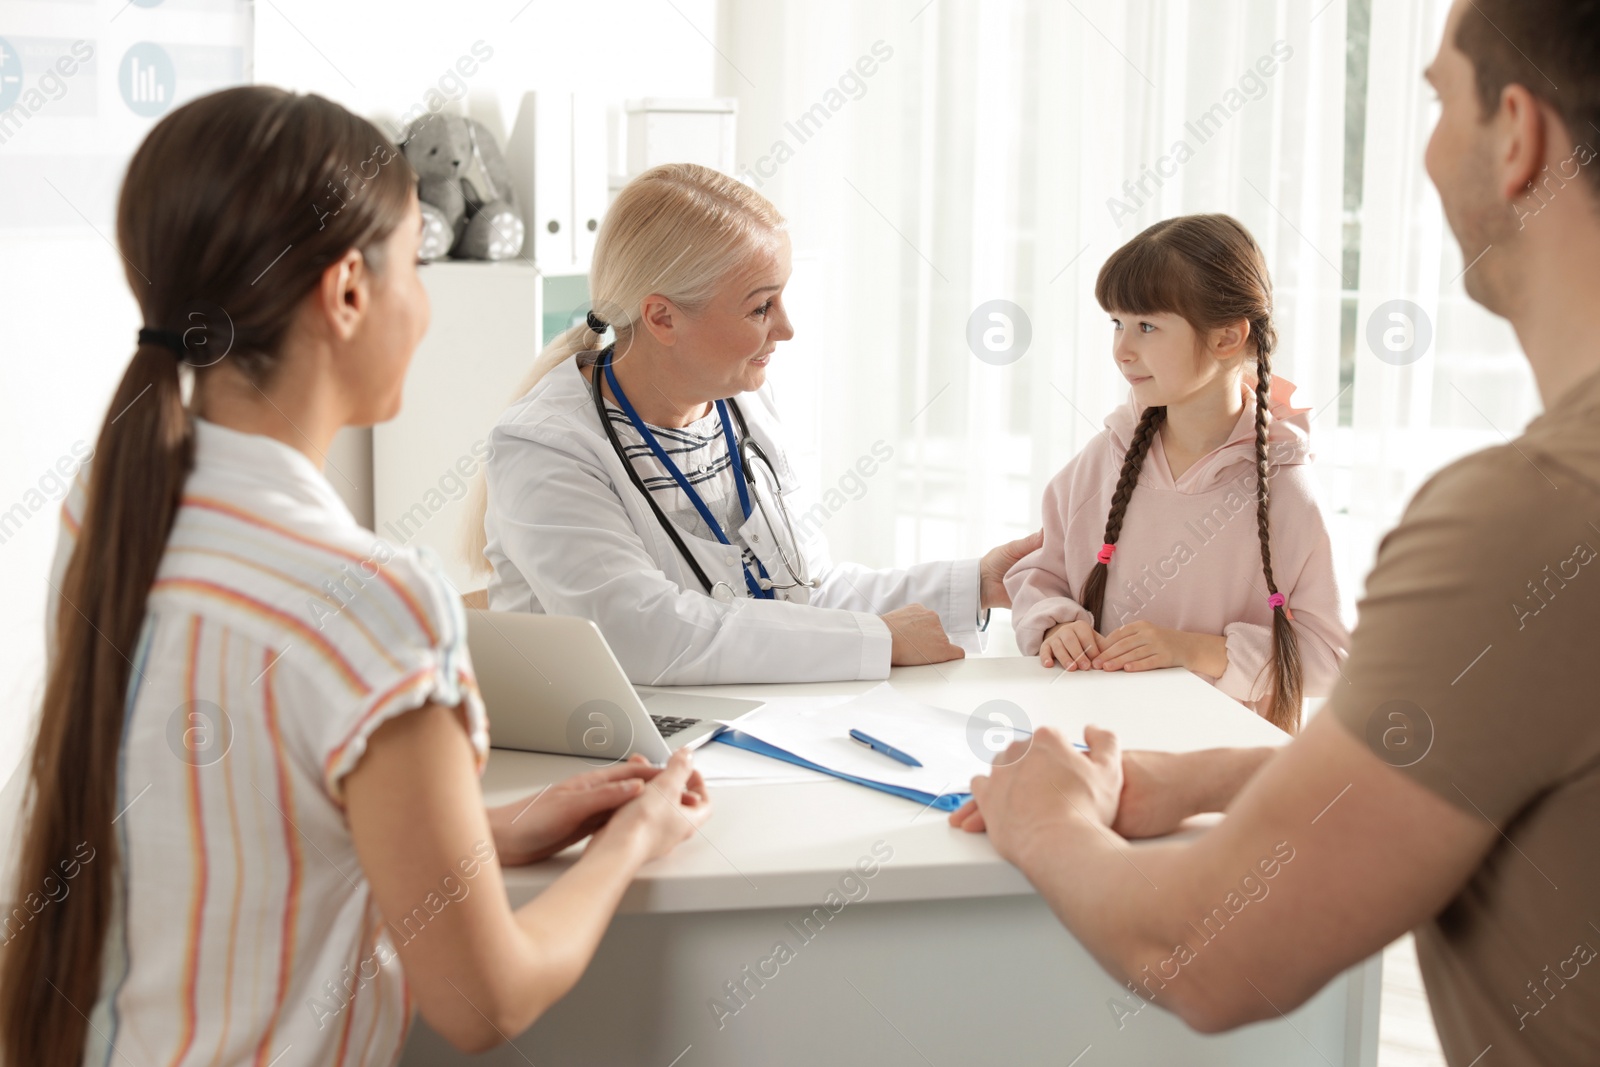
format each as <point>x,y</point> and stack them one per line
<point>1288,435</point>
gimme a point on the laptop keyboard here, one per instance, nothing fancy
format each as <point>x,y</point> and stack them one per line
<point>671,724</point>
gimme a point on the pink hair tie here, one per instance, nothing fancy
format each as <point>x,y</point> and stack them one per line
<point>1105,553</point>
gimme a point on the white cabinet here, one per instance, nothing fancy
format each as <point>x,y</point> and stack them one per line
<point>488,325</point>
<point>681,131</point>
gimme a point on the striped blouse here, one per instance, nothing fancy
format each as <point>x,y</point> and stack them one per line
<point>278,636</point>
<point>700,452</point>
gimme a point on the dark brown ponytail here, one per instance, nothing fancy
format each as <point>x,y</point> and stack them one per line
<point>1209,270</point>
<point>245,186</point>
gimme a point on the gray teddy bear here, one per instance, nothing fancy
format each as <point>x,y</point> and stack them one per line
<point>469,209</point>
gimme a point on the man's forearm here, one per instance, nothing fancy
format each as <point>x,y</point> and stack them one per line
<point>1113,897</point>
<point>1212,777</point>
<point>1103,888</point>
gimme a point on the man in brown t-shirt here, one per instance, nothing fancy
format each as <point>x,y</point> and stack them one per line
<point>1452,784</point>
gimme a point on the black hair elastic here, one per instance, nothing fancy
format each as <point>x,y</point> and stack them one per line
<point>597,324</point>
<point>169,339</point>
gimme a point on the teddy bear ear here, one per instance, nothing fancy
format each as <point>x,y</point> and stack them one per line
<point>410,131</point>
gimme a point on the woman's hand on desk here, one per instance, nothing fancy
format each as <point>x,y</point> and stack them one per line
<point>565,813</point>
<point>668,809</point>
<point>1040,787</point>
<point>918,637</point>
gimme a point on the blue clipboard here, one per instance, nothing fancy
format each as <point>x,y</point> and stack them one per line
<point>943,802</point>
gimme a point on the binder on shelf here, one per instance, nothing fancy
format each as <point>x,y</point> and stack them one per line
<point>560,157</point>
<point>552,180</point>
<point>589,175</point>
<point>539,153</point>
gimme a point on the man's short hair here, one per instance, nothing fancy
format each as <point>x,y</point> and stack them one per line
<point>1549,47</point>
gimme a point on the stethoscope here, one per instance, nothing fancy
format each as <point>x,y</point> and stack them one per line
<point>741,454</point>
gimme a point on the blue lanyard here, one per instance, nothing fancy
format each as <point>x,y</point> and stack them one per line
<point>683,483</point>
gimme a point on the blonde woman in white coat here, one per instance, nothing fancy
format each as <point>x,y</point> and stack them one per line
<point>672,522</point>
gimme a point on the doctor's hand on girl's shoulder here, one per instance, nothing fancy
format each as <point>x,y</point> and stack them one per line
<point>994,565</point>
<point>918,637</point>
<point>668,809</point>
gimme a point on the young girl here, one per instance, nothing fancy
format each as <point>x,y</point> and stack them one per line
<point>1187,534</point>
<point>254,831</point>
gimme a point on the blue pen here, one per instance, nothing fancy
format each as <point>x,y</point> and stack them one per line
<point>887,749</point>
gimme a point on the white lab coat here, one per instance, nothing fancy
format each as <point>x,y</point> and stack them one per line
<point>569,534</point>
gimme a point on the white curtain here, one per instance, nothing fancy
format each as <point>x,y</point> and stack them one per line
<point>986,160</point>
<point>1419,409</point>
<point>981,161</point>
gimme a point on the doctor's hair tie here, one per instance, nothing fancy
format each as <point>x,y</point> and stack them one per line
<point>1104,555</point>
<point>596,323</point>
<point>171,340</point>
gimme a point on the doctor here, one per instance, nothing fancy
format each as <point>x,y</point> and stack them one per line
<point>643,483</point>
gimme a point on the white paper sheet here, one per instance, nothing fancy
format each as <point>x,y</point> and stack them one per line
<point>819,731</point>
<point>726,765</point>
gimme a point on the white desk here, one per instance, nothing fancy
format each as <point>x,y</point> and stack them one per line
<point>948,958</point>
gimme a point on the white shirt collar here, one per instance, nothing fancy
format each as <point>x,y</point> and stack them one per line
<point>255,462</point>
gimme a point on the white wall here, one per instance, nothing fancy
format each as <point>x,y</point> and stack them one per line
<point>67,321</point>
<point>383,60</point>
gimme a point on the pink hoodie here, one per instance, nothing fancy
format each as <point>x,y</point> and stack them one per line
<point>1189,556</point>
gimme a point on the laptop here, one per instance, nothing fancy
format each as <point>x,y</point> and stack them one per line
<point>551,684</point>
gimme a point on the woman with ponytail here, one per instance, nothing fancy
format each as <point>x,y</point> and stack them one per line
<point>1188,534</point>
<point>253,789</point>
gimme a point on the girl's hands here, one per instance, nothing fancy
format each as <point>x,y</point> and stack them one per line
<point>1143,646</point>
<point>1138,646</point>
<point>669,806</point>
<point>1074,645</point>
